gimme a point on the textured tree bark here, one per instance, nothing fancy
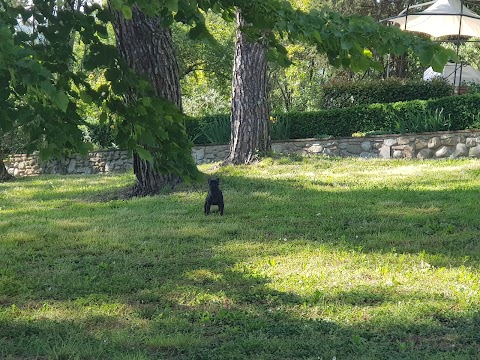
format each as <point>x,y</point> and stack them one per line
<point>4,175</point>
<point>148,49</point>
<point>250,115</point>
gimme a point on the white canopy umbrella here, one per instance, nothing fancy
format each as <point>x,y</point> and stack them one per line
<point>442,18</point>
<point>469,74</point>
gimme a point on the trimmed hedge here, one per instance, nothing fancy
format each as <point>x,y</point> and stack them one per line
<point>347,94</point>
<point>460,110</point>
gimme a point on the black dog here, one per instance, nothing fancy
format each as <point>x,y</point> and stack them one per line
<point>214,196</point>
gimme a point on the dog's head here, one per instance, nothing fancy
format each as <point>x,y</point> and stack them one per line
<point>213,183</point>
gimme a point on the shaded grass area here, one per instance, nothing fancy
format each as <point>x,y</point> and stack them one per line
<point>314,258</point>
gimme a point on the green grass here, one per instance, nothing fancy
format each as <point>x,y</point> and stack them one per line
<point>314,259</point>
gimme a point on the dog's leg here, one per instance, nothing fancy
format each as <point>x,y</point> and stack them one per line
<point>220,207</point>
<point>206,208</point>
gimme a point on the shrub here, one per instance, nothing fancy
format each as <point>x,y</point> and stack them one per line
<point>280,128</point>
<point>100,135</point>
<point>449,113</point>
<point>429,121</point>
<point>459,109</point>
<point>339,122</point>
<point>217,130</point>
<point>15,141</point>
<point>347,94</point>
<point>213,129</point>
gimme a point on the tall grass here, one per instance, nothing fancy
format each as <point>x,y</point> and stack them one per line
<point>280,127</point>
<point>314,259</point>
<point>217,130</point>
<point>430,121</point>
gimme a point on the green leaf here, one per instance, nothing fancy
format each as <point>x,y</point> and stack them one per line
<point>228,15</point>
<point>116,4</point>
<point>103,118</point>
<point>147,138</point>
<point>141,110</point>
<point>61,101</point>
<point>143,153</point>
<point>6,124</point>
<point>127,12</point>
<point>346,45</point>
<point>440,58</point>
<point>198,32</point>
<point>281,49</point>
<point>172,5</point>
<point>377,65</point>
<point>45,153</point>
<point>84,148</point>
<point>113,74</point>
<point>85,97</point>
<point>426,55</point>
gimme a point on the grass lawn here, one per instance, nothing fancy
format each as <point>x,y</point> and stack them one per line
<point>314,259</point>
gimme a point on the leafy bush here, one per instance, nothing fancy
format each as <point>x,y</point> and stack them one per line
<point>475,123</point>
<point>430,121</point>
<point>217,130</point>
<point>15,141</point>
<point>347,94</point>
<point>100,135</point>
<point>213,129</point>
<point>280,127</point>
<point>339,122</point>
<point>459,109</point>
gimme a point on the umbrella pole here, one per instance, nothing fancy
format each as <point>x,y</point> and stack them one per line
<point>400,72</point>
<point>458,46</point>
<point>406,15</point>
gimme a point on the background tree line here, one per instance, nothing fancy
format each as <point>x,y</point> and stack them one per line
<point>207,91</point>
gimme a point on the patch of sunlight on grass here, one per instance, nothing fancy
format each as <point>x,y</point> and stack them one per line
<point>20,236</point>
<point>266,195</point>
<point>203,275</point>
<point>193,296</point>
<point>77,310</point>
<point>72,225</point>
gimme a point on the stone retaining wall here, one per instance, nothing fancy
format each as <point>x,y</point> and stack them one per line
<point>452,144</point>
<point>448,144</point>
<point>94,163</point>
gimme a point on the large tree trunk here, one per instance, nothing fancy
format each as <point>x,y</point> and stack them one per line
<point>148,49</point>
<point>249,118</point>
